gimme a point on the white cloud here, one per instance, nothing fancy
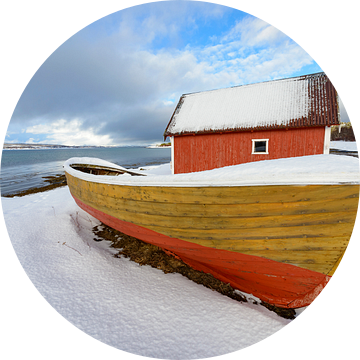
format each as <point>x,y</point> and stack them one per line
<point>254,32</point>
<point>251,51</point>
<point>67,133</point>
<point>140,26</point>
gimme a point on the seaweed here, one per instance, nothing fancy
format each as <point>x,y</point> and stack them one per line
<point>147,254</point>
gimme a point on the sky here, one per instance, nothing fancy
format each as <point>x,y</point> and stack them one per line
<point>118,80</point>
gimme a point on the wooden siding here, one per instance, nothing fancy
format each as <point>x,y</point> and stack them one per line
<point>209,151</point>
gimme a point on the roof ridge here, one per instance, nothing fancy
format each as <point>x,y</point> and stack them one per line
<point>302,77</point>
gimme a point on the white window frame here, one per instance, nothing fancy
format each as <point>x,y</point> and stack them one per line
<point>260,153</point>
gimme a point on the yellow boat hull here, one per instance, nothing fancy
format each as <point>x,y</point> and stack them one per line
<point>301,232</point>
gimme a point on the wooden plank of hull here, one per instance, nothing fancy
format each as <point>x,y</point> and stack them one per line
<point>245,220</point>
<point>228,195</point>
<point>221,194</point>
<point>306,226</point>
<point>233,210</point>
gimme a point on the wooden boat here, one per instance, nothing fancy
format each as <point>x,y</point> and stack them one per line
<point>279,242</point>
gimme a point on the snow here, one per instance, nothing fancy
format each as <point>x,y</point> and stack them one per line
<point>315,169</point>
<point>134,308</point>
<point>247,106</point>
<point>343,145</point>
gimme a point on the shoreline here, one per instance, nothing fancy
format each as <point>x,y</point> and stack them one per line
<point>54,182</point>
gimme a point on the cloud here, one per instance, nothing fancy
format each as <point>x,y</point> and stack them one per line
<point>67,133</point>
<point>254,32</point>
<point>254,51</point>
<point>96,85</point>
<point>118,80</point>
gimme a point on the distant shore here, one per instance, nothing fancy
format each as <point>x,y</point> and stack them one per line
<point>159,146</point>
<point>44,147</point>
<point>8,146</point>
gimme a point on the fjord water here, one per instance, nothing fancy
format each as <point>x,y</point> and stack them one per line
<point>25,169</point>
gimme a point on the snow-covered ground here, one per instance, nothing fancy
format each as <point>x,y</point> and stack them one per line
<point>133,308</point>
<point>138,309</point>
<point>343,145</point>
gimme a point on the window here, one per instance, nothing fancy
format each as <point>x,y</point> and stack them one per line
<point>260,146</point>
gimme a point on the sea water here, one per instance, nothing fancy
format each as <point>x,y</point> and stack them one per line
<point>25,169</point>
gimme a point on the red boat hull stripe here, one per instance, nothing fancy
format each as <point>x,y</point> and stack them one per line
<point>280,284</point>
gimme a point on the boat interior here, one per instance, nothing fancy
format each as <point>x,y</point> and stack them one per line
<point>103,170</point>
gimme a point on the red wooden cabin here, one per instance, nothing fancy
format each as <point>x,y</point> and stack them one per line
<point>263,121</point>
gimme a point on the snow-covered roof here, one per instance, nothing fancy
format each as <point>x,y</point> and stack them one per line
<point>308,100</point>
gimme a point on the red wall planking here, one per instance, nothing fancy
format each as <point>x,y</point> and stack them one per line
<point>209,151</point>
